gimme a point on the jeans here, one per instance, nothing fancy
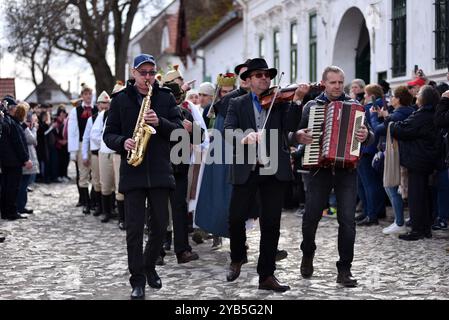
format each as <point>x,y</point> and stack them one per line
<point>371,190</point>
<point>22,196</point>
<point>344,182</point>
<point>397,203</point>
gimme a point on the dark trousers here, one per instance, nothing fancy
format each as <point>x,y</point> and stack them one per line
<point>419,201</point>
<point>344,182</point>
<point>11,177</point>
<point>179,214</point>
<point>22,197</point>
<point>139,262</point>
<point>63,161</point>
<point>270,192</point>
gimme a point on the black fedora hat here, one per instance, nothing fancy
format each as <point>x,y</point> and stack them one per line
<point>240,66</point>
<point>258,64</point>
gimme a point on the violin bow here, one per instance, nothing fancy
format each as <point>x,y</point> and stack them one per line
<point>278,89</point>
<point>211,114</point>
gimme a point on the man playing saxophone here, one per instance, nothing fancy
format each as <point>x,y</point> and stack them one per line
<point>153,178</point>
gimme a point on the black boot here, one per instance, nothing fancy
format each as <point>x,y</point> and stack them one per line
<point>80,198</point>
<point>93,199</point>
<point>121,214</point>
<point>99,207</point>
<point>168,239</point>
<point>85,200</point>
<point>107,208</point>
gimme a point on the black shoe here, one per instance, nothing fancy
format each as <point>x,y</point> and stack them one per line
<point>307,267</point>
<point>16,217</point>
<point>2,237</point>
<point>121,225</point>
<point>360,217</point>
<point>26,211</point>
<point>412,236</point>
<point>367,222</point>
<point>187,256</point>
<point>153,279</point>
<point>86,210</point>
<point>281,255</point>
<point>138,293</point>
<point>272,283</point>
<point>160,261</point>
<point>234,270</point>
<point>346,280</point>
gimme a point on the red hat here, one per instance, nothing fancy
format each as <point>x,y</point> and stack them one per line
<point>417,82</point>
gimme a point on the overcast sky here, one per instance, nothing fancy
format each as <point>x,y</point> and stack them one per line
<point>63,68</point>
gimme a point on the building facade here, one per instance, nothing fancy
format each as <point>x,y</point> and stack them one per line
<point>369,39</point>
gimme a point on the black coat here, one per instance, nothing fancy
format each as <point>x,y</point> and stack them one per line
<point>13,145</point>
<point>419,143</point>
<point>240,115</point>
<point>442,114</point>
<point>223,105</point>
<point>155,170</point>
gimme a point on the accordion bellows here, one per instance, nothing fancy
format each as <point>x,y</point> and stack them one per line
<point>334,128</point>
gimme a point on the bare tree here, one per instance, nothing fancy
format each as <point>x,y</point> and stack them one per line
<point>79,27</point>
<point>28,30</point>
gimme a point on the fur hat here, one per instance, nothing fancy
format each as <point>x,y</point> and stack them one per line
<point>172,74</point>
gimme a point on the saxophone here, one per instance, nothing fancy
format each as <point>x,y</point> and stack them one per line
<point>142,132</point>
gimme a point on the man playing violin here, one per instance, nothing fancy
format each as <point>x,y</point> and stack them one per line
<point>323,180</point>
<point>249,179</point>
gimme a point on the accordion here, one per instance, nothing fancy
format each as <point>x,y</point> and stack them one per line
<point>333,128</point>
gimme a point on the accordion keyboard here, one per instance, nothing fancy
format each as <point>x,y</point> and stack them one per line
<point>312,151</point>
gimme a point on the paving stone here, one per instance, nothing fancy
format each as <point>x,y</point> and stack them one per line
<point>59,253</point>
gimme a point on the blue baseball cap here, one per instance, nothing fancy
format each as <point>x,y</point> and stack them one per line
<point>143,58</point>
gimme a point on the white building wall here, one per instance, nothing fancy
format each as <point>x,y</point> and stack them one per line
<point>265,15</point>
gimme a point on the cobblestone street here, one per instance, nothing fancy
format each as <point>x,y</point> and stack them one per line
<point>58,253</point>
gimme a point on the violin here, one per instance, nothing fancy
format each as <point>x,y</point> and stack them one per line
<point>284,95</point>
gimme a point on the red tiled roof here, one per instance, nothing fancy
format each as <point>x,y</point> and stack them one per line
<point>7,87</point>
<point>172,24</point>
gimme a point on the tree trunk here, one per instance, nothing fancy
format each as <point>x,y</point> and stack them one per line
<point>103,76</point>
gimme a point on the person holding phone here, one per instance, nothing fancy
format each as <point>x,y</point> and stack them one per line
<point>370,189</point>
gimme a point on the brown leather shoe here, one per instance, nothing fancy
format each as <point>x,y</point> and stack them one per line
<point>271,283</point>
<point>187,256</point>
<point>234,270</point>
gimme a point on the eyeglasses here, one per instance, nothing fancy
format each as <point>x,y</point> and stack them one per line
<point>260,75</point>
<point>145,73</point>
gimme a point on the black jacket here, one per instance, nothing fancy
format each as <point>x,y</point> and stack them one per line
<point>13,146</point>
<point>419,146</point>
<point>223,105</point>
<point>155,170</point>
<point>442,114</point>
<point>240,115</point>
